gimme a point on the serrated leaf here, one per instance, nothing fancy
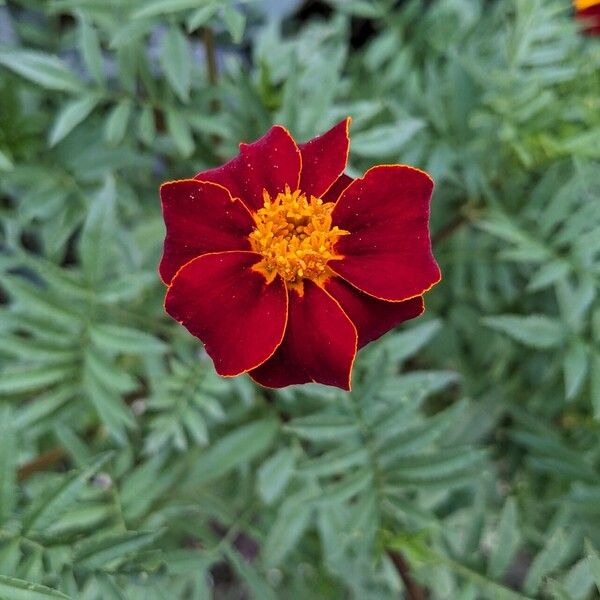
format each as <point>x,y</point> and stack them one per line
<point>274,474</point>
<point>201,16</point>
<point>71,115</point>
<point>179,131</point>
<point>8,464</point>
<point>28,379</point>
<point>535,331</point>
<point>323,426</point>
<point>153,8</point>
<point>6,163</point>
<point>44,69</point>
<point>507,541</point>
<point>116,124</point>
<point>235,449</point>
<point>292,519</point>
<point>234,21</point>
<point>57,501</point>
<point>108,551</point>
<point>548,559</point>
<point>386,140</point>
<point>120,338</point>
<point>17,589</point>
<point>98,233</point>
<point>90,50</point>
<point>146,125</point>
<point>594,562</point>
<point>176,64</point>
<point>575,367</point>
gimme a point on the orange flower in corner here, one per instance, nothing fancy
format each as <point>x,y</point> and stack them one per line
<point>589,12</point>
<point>284,266</point>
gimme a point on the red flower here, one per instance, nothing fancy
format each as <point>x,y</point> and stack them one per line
<point>589,13</point>
<point>283,266</point>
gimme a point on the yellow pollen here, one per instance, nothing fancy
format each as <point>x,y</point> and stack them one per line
<point>295,238</point>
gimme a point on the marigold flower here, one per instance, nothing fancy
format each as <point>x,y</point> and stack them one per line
<point>284,266</point>
<point>589,12</point>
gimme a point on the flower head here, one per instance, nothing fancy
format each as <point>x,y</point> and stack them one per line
<point>284,266</point>
<point>589,13</point>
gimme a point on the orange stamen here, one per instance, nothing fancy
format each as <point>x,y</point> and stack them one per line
<point>295,238</point>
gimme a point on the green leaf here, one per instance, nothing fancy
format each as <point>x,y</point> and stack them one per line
<point>8,464</point>
<point>43,69</point>
<point>17,589</point>
<point>146,125</point>
<point>594,562</point>
<point>153,8</point>
<point>292,520</point>
<point>116,124</point>
<point>406,344</point>
<point>6,163</point>
<point>98,233</point>
<point>120,338</point>
<point>546,561</point>
<point>108,551</point>
<point>575,367</point>
<point>180,133</point>
<point>176,63</point>
<point>58,500</point>
<point>322,426</point>
<point>235,21</point>
<point>507,541</point>
<point>28,379</point>
<point>535,331</point>
<point>201,16</point>
<point>90,50</point>
<point>235,449</point>
<point>386,140</point>
<point>274,474</point>
<point>72,115</point>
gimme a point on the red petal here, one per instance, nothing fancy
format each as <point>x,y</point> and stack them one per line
<point>388,252</point>
<point>319,343</point>
<point>200,217</point>
<point>334,192</point>
<point>590,16</point>
<point>372,317</point>
<point>231,308</point>
<point>267,164</point>
<point>324,159</point>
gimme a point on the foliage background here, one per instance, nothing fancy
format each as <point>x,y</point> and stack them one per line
<point>465,464</point>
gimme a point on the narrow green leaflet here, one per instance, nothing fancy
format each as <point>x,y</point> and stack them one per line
<point>97,237</point>
<point>108,551</point>
<point>153,8</point>
<point>507,541</point>
<point>90,49</point>
<point>17,589</point>
<point>235,21</point>
<point>120,338</point>
<point>116,124</point>
<point>176,63</point>
<point>44,69</point>
<point>535,331</point>
<point>8,464</point>
<point>72,115</point>
<point>58,500</point>
<point>274,474</point>
<point>235,449</point>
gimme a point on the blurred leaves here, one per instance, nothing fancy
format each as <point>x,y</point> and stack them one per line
<point>469,443</point>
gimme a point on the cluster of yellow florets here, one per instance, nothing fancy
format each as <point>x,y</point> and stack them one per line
<point>295,237</point>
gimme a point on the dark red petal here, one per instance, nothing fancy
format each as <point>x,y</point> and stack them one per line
<point>372,317</point>
<point>590,16</point>
<point>334,192</point>
<point>200,217</point>
<point>388,252</point>
<point>319,343</point>
<point>269,163</point>
<point>231,308</point>
<point>324,159</point>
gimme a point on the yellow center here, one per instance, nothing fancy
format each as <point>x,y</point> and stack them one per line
<point>295,238</point>
<point>583,4</point>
